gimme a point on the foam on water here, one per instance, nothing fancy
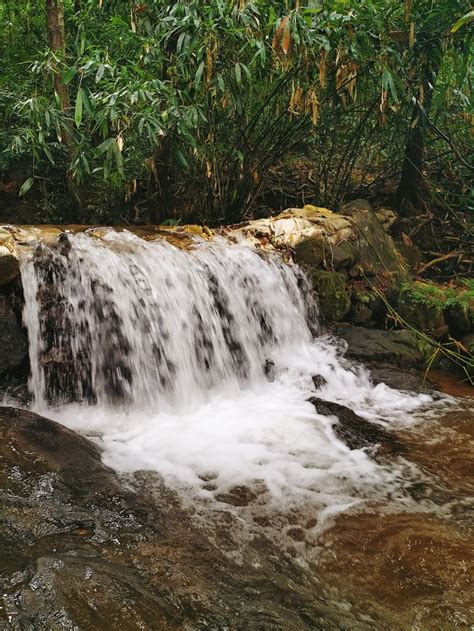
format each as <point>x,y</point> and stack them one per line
<point>164,356</point>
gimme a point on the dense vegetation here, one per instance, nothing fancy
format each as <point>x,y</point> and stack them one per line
<point>115,110</point>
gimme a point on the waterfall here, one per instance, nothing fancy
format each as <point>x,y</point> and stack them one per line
<point>121,319</point>
<point>198,364</point>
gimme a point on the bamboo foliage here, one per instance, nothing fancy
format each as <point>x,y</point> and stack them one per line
<point>163,94</point>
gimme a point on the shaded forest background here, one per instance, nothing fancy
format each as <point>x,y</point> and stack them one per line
<point>115,111</point>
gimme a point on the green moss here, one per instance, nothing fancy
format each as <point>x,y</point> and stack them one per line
<point>426,348</point>
<point>423,293</point>
<point>469,283</point>
<point>426,307</point>
<point>334,299</point>
<point>422,305</point>
<point>460,310</point>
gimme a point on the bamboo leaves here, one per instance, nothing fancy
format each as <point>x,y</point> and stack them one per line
<point>79,107</point>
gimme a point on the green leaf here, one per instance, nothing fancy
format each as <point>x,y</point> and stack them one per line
<point>99,73</point>
<point>26,186</point>
<point>179,45</point>
<point>387,82</point>
<point>78,108</point>
<point>118,156</point>
<point>199,72</point>
<point>220,82</point>
<point>69,74</point>
<point>180,159</point>
<point>238,74</point>
<point>87,104</point>
<point>469,17</point>
<point>105,146</point>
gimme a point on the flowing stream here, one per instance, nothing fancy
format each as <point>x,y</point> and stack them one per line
<point>192,370</point>
<point>198,364</point>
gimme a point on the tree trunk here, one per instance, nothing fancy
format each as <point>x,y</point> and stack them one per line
<point>160,194</point>
<point>409,195</point>
<point>57,44</point>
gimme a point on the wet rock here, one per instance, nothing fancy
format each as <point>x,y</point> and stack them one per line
<point>399,379</point>
<point>371,345</point>
<point>269,370</point>
<point>40,445</point>
<point>62,511</point>
<point>333,296</point>
<point>237,496</point>
<point>13,340</point>
<point>297,534</point>
<point>319,381</point>
<point>353,430</point>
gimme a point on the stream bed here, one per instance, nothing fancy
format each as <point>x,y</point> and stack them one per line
<point>200,454</point>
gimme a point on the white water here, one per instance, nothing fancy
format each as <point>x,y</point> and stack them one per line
<point>160,354</point>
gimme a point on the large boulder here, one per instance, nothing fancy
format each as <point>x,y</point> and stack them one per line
<point>316,253</point>
<point>378,253</point>
<point>375,345</point>
<point>63,514</point>
<point>295,225</point>
<point>13,340</point>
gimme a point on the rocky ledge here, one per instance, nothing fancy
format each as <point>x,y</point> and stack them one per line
<point>357,271</point>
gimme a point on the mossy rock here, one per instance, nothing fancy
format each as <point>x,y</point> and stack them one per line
<point>375,345</point>
<point>367,308</point>
<point>460,309</point>
<point>334,298</point>
<point>422,306</point>
<point>377,252</point>
<point>315,253</point>
<point>310,253</point>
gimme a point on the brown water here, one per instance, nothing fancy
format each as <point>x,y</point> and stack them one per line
<point>108,560</point>
<point>413,570</point>
<point>383,567</point>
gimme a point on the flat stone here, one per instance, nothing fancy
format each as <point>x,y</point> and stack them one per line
<point>408,379</point>
<point>368,345</point>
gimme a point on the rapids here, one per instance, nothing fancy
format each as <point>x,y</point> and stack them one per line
<point>198,364</point>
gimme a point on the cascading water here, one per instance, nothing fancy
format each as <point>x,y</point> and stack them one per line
<point>198,364</point>
<point>150,325</point>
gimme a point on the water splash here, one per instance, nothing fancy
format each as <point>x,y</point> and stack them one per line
<point>198,364</point>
